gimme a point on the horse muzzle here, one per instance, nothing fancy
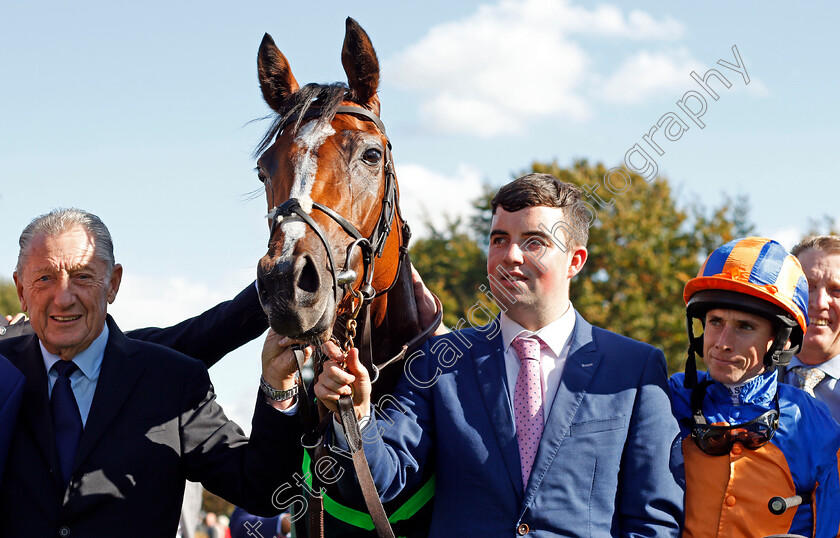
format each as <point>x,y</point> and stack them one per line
<point>298,300</point>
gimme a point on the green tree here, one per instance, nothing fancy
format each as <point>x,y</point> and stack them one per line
<point>480,220</point>
<point>9,304</point>
<point>643,247</point>
<point>827,225</point>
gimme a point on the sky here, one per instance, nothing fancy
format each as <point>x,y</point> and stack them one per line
<point>144,114</point>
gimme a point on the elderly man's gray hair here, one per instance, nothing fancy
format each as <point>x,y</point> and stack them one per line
<point>59,221</point>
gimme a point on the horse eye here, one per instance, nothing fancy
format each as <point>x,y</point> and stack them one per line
<point>261,175</point>
<point>372,156</point>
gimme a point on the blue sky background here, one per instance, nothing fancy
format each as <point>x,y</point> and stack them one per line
<point>140,113</point>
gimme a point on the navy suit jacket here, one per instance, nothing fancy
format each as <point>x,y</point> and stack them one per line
<point>605,465</point>
<point>245,525</point>
<point>153,423</point>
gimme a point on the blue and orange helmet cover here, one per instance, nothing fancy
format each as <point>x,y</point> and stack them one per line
<point>759,267</point>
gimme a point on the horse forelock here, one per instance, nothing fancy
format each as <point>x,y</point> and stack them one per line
<point>325,96</point>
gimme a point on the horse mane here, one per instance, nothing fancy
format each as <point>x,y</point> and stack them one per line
<point>327,97</point>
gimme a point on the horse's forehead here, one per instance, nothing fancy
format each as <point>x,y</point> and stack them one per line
<point>306,153</point>
<point>309,151</point>
<point>312,135</point>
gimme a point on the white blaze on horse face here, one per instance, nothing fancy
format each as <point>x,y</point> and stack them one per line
<point>310,137</point>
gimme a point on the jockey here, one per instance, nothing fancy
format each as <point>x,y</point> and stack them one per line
<point>745,437</point>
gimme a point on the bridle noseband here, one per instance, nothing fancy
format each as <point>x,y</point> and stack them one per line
<point>370,247</point>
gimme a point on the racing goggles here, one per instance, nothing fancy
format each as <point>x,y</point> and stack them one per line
<point>718,440</point>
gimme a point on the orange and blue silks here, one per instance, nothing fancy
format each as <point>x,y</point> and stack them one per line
<point>727,495</point>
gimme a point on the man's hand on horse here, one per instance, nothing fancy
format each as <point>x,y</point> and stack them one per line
<point>343,377</point>
<point>426,304</point>
<point>279,365</point>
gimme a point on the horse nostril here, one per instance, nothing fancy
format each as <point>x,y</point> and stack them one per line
<point>308,279</point>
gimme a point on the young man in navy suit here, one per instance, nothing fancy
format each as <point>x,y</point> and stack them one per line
<point>537,423</point>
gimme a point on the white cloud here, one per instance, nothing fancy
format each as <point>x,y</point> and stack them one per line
<point>510,63</point>
<point>648,73</point>
<point>608,21</point>
<point>436,197</point>
<point>788,237</point>
<point>147,301</point>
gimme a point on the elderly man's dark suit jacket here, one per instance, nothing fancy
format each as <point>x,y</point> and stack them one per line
<point>153,423</point>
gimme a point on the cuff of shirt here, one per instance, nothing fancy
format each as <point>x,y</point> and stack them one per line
<point>339,440</point>
<point>288,411</point>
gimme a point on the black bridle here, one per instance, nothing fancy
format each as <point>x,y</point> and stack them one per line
<point>371,247</point>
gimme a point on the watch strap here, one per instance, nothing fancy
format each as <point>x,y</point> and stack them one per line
<point>277,395</point>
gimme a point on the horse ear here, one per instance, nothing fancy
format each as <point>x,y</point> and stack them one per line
<point>360,64</point>
<point>276,79</point>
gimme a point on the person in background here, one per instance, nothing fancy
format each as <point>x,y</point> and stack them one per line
<point>746,437</point>
<point>816,368</point>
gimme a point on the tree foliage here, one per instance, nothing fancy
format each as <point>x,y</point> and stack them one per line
<point>827,225</point>
<point>9,304</point>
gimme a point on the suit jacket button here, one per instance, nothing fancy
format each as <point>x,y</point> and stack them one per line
<point>522,529</point>
<point>64,531</point>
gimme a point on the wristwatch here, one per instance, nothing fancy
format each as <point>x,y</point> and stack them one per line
<point>277,395</point>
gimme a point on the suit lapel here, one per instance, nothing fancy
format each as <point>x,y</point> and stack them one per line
<point>120,372</point>
<point>490,372</point>
<point>36,401</point>
<point>580,367</point>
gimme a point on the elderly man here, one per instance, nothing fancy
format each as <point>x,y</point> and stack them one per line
<point>537,422</point>
<point>816,369</point>
<point>110,428</point>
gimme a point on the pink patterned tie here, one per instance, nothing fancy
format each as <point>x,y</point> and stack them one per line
<point>527,401</point>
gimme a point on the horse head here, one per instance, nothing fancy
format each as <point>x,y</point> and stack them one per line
<point>335,230</point>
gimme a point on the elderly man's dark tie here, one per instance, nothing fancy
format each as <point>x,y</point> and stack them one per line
<point>67,421</point>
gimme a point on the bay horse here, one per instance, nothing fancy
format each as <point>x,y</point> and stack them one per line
<point>338,246</point>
